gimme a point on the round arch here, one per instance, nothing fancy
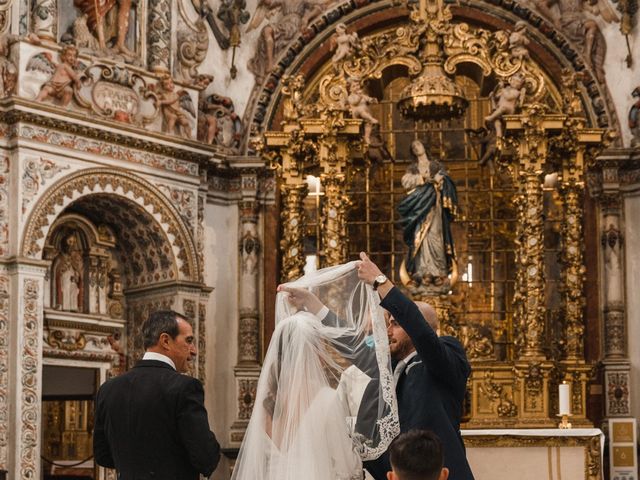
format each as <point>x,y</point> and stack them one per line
<point>312,50</point>
<point>129,188</point>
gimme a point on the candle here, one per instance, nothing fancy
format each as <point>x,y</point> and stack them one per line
<point>565,407</point>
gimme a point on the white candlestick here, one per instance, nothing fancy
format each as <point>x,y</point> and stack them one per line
<point>565,406</point>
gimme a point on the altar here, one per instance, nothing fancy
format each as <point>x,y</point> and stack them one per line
<point>535,454</point>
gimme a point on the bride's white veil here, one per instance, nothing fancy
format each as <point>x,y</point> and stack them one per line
<point>325,399</point>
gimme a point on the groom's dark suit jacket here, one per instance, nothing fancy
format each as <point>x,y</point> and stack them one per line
<point>431,389</point>
<point>151,424</point>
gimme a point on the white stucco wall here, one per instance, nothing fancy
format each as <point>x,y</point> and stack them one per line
<point>221,273</point>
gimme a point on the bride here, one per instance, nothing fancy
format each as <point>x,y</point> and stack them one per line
<point>328,326</point>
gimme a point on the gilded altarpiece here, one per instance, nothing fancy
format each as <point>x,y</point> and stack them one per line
<point>516,296</point>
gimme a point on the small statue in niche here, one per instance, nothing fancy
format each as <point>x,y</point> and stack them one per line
<point>506,99</point>
<point>8,70</point>
<point>358,103</point>
<point>518,41</point>
<point>65,76</point>
<point>343,42</point>
<point>68,276</point>
<point>176,106</point>
<point>634,118</point>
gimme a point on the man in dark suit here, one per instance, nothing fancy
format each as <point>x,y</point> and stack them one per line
<point>431,373</point>
<point>151,423</point>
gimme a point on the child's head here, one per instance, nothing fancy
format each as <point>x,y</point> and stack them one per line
<point>417,455</point>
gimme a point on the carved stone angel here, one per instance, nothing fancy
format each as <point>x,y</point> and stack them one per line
<point>286,19</point>
<point>575,20</point>
<point>65,76</point>
<point>518,41</point>
<point>176,107</point>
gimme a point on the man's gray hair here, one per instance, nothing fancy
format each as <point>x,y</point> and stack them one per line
<point>162,321</point>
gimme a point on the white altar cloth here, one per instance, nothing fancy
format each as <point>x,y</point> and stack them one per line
<point>535,454</point>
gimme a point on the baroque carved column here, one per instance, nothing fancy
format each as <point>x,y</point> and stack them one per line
<point>21,450</point>
<point>616,361</point>
<point>334,216</point>
<point>247,370</point>
<point>292,218</point>
<point>159,35</point>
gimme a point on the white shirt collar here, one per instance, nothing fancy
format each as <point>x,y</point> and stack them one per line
<point>409,357</point>
<point>159,357</point>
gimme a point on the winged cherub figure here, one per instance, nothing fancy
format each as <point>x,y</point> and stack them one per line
<point>175,105</point>
<point>64,75</point>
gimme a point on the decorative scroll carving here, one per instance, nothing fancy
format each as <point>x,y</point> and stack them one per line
<point>498,397</point>
<point>248,336</point>
<point>246,397</point>
<point>617,385</point>
<point>117,94</point>
<point>191,52</point>
<point>5,183</point>
<point>292,219</point>
<point>159,35</point>
<point>45,19</point>
<point>202,342</point>
<point>4,370</point>
<point>185,201</point>
<point>29,453</point>
<point>35,175</point>
<point>65,340</point>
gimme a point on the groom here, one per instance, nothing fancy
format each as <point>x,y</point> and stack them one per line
<point>431,373</point>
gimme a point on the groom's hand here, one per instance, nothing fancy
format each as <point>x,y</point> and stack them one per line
<point>302,299</point>
<point>368,271</point>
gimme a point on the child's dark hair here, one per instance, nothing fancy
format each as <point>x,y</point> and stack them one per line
<point>416,455</point>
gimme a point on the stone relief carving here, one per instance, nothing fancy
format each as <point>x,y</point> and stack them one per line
<point>159,35</point>
<point>111,150</point>
<point>232,13</point>
<point>202,342</point>
<point>104,24</point>
<point>184,200</point>
<point>177,108</point>
<point>518,41</point>
<point>4,369</point>
<point>36,173</point>
<point>284,20</point>
<point>8,69</point>
<point>30,393</point>
<point>5,179</point>
<point>618,393</point>
<point>193,43</point>
<point>575,19</point>
<point>116,93</point>
<point>45,19</point>
<point>634,118</point>
<point>5,11</point>
<point>65,76</point>
<point>218,123</point>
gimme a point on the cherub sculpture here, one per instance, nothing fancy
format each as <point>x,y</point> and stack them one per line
<point>358,103</point>
<point>518,41</point>
<point>343,42</point>
<point>65,76</point>
<point>634,118</point>
<point>506,99</point>
<point>176,106</point>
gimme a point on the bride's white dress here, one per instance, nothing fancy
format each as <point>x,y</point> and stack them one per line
<point>321,448</point>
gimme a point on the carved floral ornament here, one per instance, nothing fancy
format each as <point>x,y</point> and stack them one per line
<point>120,183</point>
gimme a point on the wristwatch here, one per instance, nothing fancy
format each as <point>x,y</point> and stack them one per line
<point>379,280</point>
